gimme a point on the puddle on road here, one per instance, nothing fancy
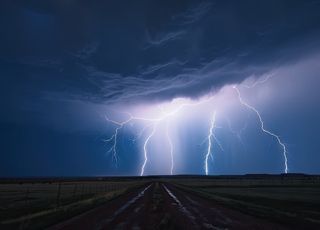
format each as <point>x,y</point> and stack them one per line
<point>189,214</point>
<point>181,207</point>
<point>124,207</point>
<point>133,200</point>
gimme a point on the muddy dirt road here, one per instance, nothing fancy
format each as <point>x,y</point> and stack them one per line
<point>164,206</point>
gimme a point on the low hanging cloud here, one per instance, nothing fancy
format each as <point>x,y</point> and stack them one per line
<point>193,48</point>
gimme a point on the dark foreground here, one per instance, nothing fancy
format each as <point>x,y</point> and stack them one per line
<point>249,202</point>
<point>163,206</point>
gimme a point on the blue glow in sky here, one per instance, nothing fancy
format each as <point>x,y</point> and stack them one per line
<point>159,87</point>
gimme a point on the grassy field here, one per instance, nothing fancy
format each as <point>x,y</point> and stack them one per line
<point>37,204</point>
<point>288,199</point>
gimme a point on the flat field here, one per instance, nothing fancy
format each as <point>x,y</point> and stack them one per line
<point>39,203</point>
<point>287,199</point>
<point>162,202</point>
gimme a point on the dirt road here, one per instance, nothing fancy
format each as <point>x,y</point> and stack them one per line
<point>164,206</point>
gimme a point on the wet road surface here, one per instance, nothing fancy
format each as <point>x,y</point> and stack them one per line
<point>164,206</point>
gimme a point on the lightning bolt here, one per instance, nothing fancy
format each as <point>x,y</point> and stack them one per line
<point>209,138</point>
<point>284,149</point>
<point>237,133</point>
<point>260,81</point>
<point>145,150</point>
<point>120,125</point>
<point>114,137</point>
<point>155,122</point>
<point>215,138</point>
<point>141,132</point>
<point>165,116</point>
<point>171,148</point>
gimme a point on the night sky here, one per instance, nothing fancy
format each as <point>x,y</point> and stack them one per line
<point>98,88</point>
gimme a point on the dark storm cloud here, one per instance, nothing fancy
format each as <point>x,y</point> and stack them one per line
<point>65,64</point>
<point>162,39</point>
<point>192,14</point>
<point>155,69</point>
<point>117,51</point>
<point>87,51</point>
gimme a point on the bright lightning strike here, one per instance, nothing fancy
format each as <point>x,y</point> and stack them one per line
<point>120,125</point>
<point>171,148</point>
<point>210,136</point>
<point>164,115</point>
<point>284,152</point>
<point>169,110</point>
<point>114,137</point>
<point>145,150</point>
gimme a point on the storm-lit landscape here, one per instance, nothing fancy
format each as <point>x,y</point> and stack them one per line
<point>159,114</point>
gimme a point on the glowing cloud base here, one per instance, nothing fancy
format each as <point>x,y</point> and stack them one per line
<point>157,122</point>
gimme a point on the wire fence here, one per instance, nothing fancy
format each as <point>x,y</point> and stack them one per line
<point>25,198</point>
